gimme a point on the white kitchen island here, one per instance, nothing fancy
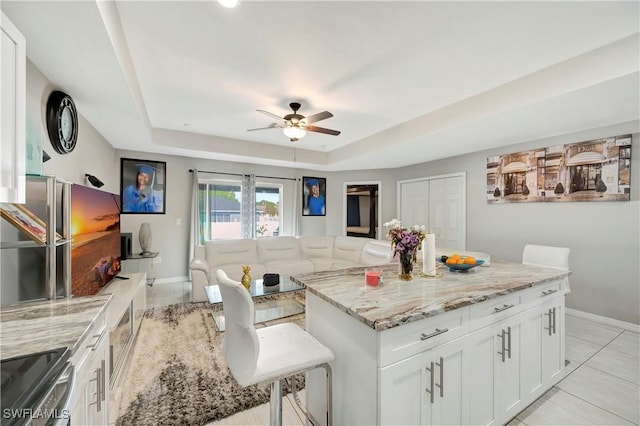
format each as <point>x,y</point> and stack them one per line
<point>467,348</point>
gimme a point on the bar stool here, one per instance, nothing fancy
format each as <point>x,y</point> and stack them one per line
<point>551,257</point>
<point>270,354</point>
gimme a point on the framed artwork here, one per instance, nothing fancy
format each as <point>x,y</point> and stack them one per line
<point>314,191</point>
<point>142,186</point>
<point>27,222</point>
<point>594,170</point>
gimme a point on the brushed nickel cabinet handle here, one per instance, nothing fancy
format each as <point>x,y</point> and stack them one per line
<point>550,328</point>
<point>548,292</point>
<point>104,378</point>
<point>441,385</point>
<point>435,333</point>
<point>554,320</point>
<point>501,336</point>
<point>503,308</point>
<point>509,341</point>
<point>430,391</point>
<point>98,380</point>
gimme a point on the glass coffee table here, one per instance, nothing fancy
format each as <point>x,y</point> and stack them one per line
<point>267,305</point>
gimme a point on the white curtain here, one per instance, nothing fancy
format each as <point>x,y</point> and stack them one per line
<point>248,206</point>
<point>195,226</point>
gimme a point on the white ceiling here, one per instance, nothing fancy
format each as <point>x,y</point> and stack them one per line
<point>407,82</point>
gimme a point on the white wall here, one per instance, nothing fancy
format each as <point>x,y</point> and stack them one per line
<point>603,236</point>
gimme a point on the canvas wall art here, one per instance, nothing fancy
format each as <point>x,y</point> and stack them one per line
<point>314,191</point>
<point>142,186</point>
<point>595,170</point>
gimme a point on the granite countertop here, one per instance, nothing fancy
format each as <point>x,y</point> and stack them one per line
<point>398,302</point>
<point>31,327</point>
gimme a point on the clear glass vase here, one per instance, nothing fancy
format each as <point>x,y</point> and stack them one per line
<point>406,266</point>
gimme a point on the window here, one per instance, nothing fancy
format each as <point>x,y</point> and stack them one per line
<point>221,209</point>
<point>268,202</point>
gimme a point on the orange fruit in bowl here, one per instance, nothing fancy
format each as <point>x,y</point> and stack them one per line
<point>452,261</point>
<point>470,260</point>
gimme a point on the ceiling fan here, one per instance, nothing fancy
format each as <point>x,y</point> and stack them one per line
<point>295,125</point>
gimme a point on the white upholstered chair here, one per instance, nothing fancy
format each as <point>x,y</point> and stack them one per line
<point>268,354</point>
<point>551,257</point>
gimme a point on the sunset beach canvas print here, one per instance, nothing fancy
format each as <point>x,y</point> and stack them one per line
<point>95,234</point>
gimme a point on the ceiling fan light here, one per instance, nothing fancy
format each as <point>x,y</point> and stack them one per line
<point>294,132</point>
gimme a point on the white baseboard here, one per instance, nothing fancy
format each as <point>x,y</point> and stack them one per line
<point>171,280</point>
<point>603,320</point>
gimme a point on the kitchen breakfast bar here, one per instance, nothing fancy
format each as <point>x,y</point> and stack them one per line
<point>463,348</point>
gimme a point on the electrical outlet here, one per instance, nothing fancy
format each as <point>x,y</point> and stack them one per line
<point>157,259</point>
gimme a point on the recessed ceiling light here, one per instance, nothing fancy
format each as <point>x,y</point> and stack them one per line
<point>228,3</point>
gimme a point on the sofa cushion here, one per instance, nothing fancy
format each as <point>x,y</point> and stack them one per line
<point>316,247</point>
<point>278,248</point>
<point>289,267</point>
<point>348,248</point>
<point>232,251</point>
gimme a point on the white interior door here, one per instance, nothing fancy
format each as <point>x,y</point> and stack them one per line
<point>439,203</point>
<point>414,203</point>
<point>447,211</point>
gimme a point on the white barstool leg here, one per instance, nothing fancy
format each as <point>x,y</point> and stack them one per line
<point>275,404</point>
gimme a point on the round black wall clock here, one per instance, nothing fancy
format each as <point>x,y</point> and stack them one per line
<point>62,122</point>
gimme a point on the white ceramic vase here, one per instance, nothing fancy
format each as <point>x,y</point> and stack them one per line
<point>144,236</point>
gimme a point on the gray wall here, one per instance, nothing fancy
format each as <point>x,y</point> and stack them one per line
<point>603,236</point>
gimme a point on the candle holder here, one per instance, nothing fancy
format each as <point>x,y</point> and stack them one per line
<point>373,276</point>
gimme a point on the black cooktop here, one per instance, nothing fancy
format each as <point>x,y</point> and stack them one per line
<point>27,378</point>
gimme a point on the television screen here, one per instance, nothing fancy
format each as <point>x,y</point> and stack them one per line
<point>95,234</point>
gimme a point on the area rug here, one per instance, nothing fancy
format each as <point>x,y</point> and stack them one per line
<point>177,374</point>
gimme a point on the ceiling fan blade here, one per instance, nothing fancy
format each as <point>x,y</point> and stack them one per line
<point>322,130</point>
<point>271,126</point>
<point>317,117</point>
<point>270,114</point>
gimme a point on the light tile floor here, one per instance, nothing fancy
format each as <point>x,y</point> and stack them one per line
<point>602,385</point>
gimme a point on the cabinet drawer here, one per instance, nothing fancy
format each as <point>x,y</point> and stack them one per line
<point>96,333</point>
<point>544,291</point>
<point>492,310</point>
<point>412,338</point>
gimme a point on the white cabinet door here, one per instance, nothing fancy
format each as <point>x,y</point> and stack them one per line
<point>542,347</point>
<point>493,366</point>
<point>403,397</point>
<point>12,112</point>
<point>553,342</point>
<point>510,398</point>
<point>425,389</point>
<point>96,389</point>
<point>449,382</point>
<point>480,368</point>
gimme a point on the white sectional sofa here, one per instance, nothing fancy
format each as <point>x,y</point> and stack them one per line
<point>283,255</point>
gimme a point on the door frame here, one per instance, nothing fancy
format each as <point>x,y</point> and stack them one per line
<point>379,205</point>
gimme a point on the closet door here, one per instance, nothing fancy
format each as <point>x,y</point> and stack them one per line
<point>414,203</point>
<point>447,217</point>
<point>439,203</point>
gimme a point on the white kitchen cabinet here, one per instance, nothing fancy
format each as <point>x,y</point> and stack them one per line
<point>543,347</point>
<point>12,112</point>
<point>89,404</point>
<point>475,365</point>
<point>494,359</point>
<point>425,388</point>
